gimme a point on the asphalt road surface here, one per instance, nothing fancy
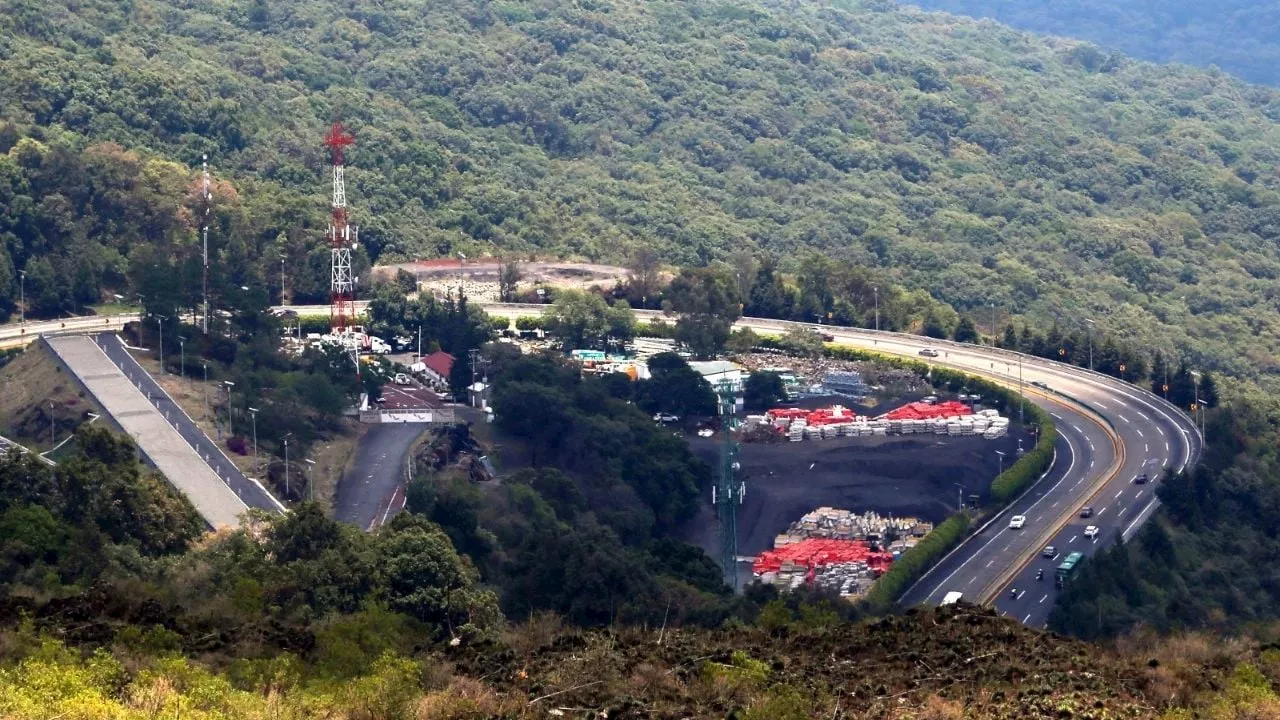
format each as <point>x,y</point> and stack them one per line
<point>372,491</point>
<point>1098,456</point>
<point>252,492</point>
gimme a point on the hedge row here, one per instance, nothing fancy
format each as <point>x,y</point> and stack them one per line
<point>1004,489</point>
<point>916,561</point>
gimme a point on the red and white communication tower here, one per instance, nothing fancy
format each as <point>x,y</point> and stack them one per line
<point>342,238</point>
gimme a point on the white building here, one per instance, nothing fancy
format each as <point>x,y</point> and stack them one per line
<point>717,371</point>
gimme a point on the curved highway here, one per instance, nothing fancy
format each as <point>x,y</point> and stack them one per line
<point>1109,432</point>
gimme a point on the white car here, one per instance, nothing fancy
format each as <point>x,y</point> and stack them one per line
<point>1091,531</point>
<point>1017,521</point>
<point>665,418</point>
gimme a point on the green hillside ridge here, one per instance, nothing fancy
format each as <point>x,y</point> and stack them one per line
<point>1238,36</point>
<point>984,165</point>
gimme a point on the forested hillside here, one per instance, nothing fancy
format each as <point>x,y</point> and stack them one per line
<point>1239,36</point>
<point>1042,176</point>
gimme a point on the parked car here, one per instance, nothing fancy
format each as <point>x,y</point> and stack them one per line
<point>1049,551</point>
<point>928,352</point>
<point>1086,511</point>
<point>1091,531</point>
<point>403,379</point>
<point>1017,521</point>
<point>665,418</point>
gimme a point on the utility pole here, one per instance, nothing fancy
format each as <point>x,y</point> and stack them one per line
<point>1199,408</point>
<point>282,300</point>
<point>182,350</point>
<point>22,297</point>
<point>994,336</point>
<point>419,342</point>
<point>253,414</point>
<point>477,363</point>
<point>53,433</point>
<point>1000,455</point>
<point>1022,400</point>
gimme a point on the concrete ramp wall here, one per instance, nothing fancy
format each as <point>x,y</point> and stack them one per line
<point>162,445</point>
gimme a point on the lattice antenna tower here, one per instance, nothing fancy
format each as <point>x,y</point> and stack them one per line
<point>206,199</point>
<point>728,492</point>
<point>342,238</point>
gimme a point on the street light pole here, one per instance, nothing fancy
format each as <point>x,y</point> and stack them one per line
<point>229,385</point>
<point>1199,403</point>
<point>875,289</point>
<point>286,469</point>
<point>1022,402</point>
<point>161,318</point>
<point>1091,325</point>
<point>53,433</point>
<point>282,302</point>
<point>994,337</point>
<point>253,413</point>
<point>182,363</point>
<point>311,477</point>
<point>1000,455</point>
<point>22,297</point>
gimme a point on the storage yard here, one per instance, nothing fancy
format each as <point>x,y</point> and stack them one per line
<point>837,550</point>
<point>916,473</point>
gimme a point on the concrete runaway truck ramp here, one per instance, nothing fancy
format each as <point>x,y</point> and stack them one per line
<point>159,442</point>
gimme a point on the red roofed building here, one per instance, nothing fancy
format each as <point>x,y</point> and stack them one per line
<point>437,366</point>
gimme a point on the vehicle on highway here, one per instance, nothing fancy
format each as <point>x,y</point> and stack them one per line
<point>1049,551</point>
<point>929,399</point>
<point>665,418</point>
<point>928,352</point>
<point>1040,384</point>
<point>1067,568</point>
<point>1086,511</point>
<point>952,598</point>
<point>1017,521</point>
<point>1140,479</point>
<point>1091,532</point>
<point>826,336</point>
<point>1039,574</point>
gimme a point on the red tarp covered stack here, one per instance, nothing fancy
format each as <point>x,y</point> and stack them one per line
<point>925,411</point>
<point>822,416</point>
<point>820,552</point>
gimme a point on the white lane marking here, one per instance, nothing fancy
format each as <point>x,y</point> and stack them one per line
<point>990,562</point>
<point>1125,419</point>
<point>1146,448</point>
<point>1025,619</point>
<point>1101,511</point>
<point>1091,447</point>
<point>975,577</point>
<point>1166,446</point>
<point>1090,466</point>
<point>1076,428</point>
<point>1020,594</point>
<point>1046,597</point>
<point>1073,538</point>
<point>1070,448</point>
<point>1039,518</point>
<point>1119,494</point>
<point>1141,516</point>
<point>1055,415</point>
<point>1160,430</point>
<point>1100,404</point>
<point>1054,505</point>
<point>1139,433</point>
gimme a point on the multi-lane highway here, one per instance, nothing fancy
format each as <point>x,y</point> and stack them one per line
<point>1109,432</point>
